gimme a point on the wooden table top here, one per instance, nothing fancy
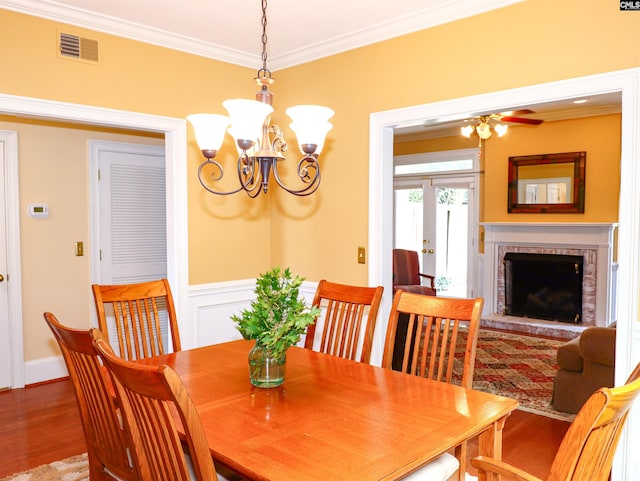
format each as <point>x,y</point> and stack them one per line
<point>332,419</point>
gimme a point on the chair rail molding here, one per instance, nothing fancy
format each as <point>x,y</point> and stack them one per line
<point>210,307</point>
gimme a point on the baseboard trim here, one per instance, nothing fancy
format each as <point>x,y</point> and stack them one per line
<point>44,369</point>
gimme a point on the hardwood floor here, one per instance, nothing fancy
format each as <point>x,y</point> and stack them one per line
<point>40,424</point>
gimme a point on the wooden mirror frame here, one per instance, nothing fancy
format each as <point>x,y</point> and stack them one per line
<point>576,206</point>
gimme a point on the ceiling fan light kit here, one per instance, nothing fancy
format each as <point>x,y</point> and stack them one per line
<point>487,124</point>
<point>261,145</point>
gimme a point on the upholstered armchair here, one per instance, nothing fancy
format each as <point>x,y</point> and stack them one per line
<point>407,275</point>
<point>586,364</point>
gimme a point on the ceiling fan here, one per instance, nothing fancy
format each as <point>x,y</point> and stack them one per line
<point>485,124</point>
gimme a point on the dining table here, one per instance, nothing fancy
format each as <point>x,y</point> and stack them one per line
<point>332,418</point>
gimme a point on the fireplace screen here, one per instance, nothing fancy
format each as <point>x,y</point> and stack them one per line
<point>543,286</point>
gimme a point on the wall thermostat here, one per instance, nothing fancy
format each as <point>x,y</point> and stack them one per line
<point>38,210</point>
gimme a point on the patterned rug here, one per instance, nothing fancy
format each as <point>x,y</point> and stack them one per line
<point>520,367</point>
<point>74,468</point>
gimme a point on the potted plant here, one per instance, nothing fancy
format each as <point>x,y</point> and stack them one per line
<point>276,320</point>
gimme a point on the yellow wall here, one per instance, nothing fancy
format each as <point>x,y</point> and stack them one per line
<point>598,136</point>
<point>236,238</point>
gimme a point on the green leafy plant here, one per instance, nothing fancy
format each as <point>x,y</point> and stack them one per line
<point>278,317</point>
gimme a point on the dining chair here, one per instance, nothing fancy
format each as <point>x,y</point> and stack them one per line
<point>107,442</point>
<point>149,396</point>
<point>348,322</point>
<point>587,449</point>
<point>436,328</point>
<point>134,314</point>
<point>407,275</point>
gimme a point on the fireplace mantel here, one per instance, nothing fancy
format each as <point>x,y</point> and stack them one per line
<point>593,238</point>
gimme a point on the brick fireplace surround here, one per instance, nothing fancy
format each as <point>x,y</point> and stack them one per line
<point>593,241</point>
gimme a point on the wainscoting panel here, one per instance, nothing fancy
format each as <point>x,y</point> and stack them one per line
<point>212,305</point>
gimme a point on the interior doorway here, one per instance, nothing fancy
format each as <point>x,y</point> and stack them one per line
<point>174,131</point>
<point>627,83</point>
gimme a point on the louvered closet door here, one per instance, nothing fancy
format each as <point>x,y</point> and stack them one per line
<point>132,213</point>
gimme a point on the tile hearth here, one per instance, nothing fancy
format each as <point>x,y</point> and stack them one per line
<point>534,327</point>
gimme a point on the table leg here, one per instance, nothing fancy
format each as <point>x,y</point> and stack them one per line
<point>490,445</point>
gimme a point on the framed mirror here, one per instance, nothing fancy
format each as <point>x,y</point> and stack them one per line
<point>548,183</point>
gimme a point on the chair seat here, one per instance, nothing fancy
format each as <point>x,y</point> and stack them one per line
<point>424,290</point>
<point>440,469</point>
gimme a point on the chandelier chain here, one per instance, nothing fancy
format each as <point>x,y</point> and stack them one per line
<point>264,70</point>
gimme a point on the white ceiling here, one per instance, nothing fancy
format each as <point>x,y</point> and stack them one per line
<point>298,31</point>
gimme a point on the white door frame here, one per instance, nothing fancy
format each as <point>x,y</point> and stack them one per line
<point>382,125</point>
<point>175,132</point>
<point>13,274</point>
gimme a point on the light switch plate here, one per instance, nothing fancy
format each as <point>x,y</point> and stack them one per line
<point>362,257</point>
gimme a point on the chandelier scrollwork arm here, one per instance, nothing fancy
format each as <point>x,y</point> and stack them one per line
<point>215,175</point>
<point>278,144</point>
<point>309,173</point>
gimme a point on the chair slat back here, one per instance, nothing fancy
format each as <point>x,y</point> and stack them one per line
<point>137,312</point>
<point>429,346</point>
<point>148,396</point>
<point>432,335</point>
<point>106,441</point>
<point>587,450</point>
<point>348,321</point>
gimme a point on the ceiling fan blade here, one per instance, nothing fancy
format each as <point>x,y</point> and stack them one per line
<point>521,120</point>
<point>520,112</point>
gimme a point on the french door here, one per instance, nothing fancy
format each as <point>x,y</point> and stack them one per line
<point>436,217</point>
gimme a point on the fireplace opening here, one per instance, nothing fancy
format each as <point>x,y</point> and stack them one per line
<point>544,286</point>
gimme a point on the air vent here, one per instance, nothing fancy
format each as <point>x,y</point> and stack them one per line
<point>78,47</point>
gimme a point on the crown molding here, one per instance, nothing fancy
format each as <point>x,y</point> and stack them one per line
<point>134,31</point>
<point>446,11</point>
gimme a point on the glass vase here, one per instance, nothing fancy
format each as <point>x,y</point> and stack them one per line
<point>265,369</point>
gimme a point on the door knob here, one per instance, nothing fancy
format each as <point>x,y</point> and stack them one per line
<point>431,251</point>
<point>424,251</point>
<point>1,278</point>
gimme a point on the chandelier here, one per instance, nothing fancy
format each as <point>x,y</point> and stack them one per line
<point>484,129</point>
<point>260,144</point>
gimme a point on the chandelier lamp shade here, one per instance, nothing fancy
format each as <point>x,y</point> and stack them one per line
<point>260,144</point>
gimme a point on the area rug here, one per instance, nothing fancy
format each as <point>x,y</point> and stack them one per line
<point>75,468</point>
<point>520,367</point>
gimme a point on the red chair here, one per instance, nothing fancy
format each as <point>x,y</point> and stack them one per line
<point>407,275</point>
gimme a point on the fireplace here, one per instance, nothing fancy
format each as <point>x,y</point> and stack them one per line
<point>544,286</point>
<point>591,242</point>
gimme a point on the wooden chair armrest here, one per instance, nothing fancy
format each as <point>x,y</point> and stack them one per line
<point>431,278</point>
<point>501,468</point>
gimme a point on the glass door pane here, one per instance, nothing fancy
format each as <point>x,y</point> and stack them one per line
<point>448,216</point>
